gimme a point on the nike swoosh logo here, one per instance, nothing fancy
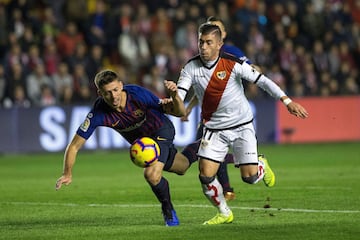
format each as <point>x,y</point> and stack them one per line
<point>115,123</point>
<point>160,138</point>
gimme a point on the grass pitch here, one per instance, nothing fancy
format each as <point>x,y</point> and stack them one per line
<point>316,197</point>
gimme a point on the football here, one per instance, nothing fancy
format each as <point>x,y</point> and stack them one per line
<point>144,152</point>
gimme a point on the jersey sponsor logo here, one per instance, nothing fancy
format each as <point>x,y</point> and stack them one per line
<point>130,128</point>
<point>221,75</point>
<point>85,125</point>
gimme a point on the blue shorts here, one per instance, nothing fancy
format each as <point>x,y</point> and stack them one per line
<point>165,139</point>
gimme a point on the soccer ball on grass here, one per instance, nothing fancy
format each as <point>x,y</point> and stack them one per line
<point>144,152</point>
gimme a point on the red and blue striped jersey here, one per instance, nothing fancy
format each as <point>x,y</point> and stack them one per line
<point>143,116</point>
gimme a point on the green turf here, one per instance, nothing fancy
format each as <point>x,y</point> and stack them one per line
<point>317,196</point>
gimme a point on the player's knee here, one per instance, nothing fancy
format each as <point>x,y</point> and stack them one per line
<point>180,165</point>
<point>251,179</point>
<point>152,177</point>
<point>206,180</point>
<point>190,152</point>
<point>179,172</point>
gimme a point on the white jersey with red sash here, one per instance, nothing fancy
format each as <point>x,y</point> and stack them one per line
<point>219,89</point>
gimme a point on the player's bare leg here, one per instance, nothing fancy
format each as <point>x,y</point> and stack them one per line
<point>253,173</point>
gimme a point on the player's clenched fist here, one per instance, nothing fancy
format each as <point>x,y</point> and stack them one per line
<point>171,87</point>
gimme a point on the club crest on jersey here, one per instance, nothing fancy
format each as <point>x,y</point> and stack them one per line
<point>85,125</point>
<point>221,75</point>
<point>139,112</point>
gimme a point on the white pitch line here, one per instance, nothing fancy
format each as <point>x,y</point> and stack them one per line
<point>179,205</point>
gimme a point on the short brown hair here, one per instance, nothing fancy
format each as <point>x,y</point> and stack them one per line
<point>207,28</point>
<point>104,77</point>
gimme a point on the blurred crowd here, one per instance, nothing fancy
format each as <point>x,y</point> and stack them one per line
<point>50,51</point>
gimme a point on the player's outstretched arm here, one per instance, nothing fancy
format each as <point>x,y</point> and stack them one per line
<point>178,108</point>
<point>69,160</point>
<point>295,108</point>
<point>193,102</point>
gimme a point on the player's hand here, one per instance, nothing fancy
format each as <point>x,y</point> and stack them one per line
<point>165,101</point>
<point>63,180</point>
<point>297,110</point>
<point>171,88</point>
<point>167,104</point>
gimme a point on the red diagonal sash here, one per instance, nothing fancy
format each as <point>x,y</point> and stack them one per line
<point>216,87</point>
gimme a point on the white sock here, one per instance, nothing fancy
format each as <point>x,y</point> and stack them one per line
<point>261,171</point>
<point>214,192</point>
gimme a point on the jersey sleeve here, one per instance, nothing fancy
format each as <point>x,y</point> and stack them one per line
<point>184,82</point>
<point>89,125</point>
<point>252,75</point>
<point>270,87</point>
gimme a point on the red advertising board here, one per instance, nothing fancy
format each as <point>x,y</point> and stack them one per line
<point>330,119</point>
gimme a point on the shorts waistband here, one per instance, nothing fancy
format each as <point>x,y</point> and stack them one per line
<point>229,128</point>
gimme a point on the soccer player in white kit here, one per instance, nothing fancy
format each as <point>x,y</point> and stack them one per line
<point>216,78</point>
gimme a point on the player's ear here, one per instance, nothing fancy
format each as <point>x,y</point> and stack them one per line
<point>221,43</point>
<point>224,34</point>
<point>98,92</point>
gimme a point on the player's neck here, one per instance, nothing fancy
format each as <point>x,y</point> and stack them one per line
<point>211,62</point>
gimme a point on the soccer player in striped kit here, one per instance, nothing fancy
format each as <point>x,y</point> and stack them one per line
<point>135,112</point>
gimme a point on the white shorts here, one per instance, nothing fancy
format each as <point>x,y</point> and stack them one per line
<point>215,144</point>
